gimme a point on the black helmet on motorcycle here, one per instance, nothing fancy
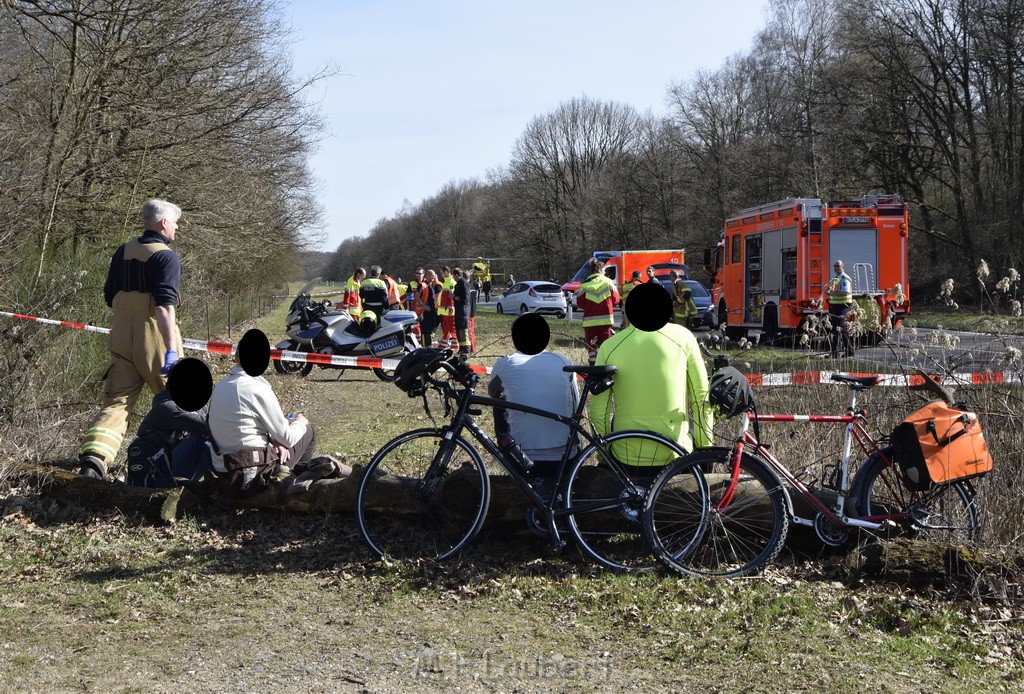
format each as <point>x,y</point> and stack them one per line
<point>414,365</point>
<point>368,321</point>
<point>730,392</point>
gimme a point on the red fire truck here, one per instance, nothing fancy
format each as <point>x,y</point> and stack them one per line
<point>771,269</point>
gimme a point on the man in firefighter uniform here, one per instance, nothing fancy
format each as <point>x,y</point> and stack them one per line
<point>446,311</point>
<point>142,288</point>
<point>462,298</point>
<point>350,299</point>
<point>683,306</point>
<point>597,296</point>
<point>840,300</point>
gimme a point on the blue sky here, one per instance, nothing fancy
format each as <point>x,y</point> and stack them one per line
<point>439,90</point>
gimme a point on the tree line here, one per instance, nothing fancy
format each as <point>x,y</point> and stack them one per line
<point>105,104</point>
<point>832,100</point>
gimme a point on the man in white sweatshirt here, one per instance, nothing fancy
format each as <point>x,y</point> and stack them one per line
<point>251,431</point>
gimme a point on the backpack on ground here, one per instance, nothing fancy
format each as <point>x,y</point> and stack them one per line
<point>149,461</point>
<point>939,443</point>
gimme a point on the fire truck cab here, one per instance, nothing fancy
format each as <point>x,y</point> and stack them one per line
<point>771,268</point>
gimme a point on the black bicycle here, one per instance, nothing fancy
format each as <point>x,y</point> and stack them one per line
<point>444,489</point>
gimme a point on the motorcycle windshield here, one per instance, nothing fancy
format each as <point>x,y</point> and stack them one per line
<point>309,287</point>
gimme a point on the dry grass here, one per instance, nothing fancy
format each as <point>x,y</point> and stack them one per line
<point>264,601</point>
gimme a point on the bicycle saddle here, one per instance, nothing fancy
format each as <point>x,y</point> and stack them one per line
<point>858,382</point>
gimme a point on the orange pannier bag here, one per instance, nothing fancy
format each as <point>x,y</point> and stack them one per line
<point>939,443</point>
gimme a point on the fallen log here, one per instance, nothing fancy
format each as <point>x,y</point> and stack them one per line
<point>160,505</point>
<point>394,495</point>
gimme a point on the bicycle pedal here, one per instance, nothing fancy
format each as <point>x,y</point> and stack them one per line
<point>559,547</point>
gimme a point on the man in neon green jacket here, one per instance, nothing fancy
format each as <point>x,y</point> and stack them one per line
<point>661,384</point>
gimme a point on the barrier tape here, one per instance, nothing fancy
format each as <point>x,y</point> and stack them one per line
<point>289,296</point>
<point>228,348</point>
<point>796,378</point>
<point>803,378</point>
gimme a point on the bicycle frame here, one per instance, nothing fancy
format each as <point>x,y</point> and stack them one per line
<point>854,420</point>
<point>463,420</point>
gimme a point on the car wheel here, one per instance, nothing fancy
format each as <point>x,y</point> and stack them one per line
<point>560,314</point>
<point>523,308</point>
<point>498,308</point>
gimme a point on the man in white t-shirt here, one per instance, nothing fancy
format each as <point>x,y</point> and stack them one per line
<point>533,376</point>
<point>251,431</point>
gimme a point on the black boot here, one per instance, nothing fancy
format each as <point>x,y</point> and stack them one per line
<point>91,466</point>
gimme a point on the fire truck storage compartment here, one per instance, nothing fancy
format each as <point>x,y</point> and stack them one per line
<point>766,272</point>
<point>857,247</point>
<point>752,279</point>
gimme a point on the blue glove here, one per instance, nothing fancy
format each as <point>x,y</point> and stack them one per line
<point>170,357</point>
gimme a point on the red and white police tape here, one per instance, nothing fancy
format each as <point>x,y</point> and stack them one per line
<point>228,348</point>
<point>797,378</point>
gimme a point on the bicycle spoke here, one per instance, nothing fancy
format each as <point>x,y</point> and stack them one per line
<point>413,504</point>
<point>728,539</point>
<point>946,513</point>
<point>606,491</point>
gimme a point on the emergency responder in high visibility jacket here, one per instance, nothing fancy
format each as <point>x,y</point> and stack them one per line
<point>394,296</point>
<point>683,306</point>
<point>634,281</point>
<point>373,292</point>
<point>142,288</point>
<point>840,301</point>
<point>419,298</point>
<point>350,299</point>
<point>446,310</point>
<point>597,296</point>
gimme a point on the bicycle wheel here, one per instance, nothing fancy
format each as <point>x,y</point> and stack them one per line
<point>734,537</point>
<point>605,493</point>
<point>421,497</point>
<point>944,513</point>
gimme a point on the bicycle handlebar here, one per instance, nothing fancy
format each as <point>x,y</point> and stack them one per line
<point>720,360</point>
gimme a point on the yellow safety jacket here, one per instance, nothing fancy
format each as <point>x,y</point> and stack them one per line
<point>683,305</point>
<point>446,304</point>
<point>350,299</point>
<point>597,297</point>
<point>836,286</point>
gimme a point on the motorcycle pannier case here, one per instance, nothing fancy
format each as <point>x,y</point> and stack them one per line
<point>938,444</point>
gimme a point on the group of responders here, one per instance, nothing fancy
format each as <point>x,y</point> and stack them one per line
<point>796,378</point>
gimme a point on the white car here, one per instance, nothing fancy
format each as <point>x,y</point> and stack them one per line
<point>533,297</point>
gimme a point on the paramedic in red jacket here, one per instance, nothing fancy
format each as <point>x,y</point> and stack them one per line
<point>597,297</point>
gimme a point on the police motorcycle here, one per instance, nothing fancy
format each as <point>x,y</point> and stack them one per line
<point>317,326</point>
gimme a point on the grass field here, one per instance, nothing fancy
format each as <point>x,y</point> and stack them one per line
<point>264,601</point>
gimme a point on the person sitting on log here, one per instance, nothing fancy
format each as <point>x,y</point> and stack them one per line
<point>172,446</point>
<point>250,429</point>
<point>533,376</point>
<point>661,384</point>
